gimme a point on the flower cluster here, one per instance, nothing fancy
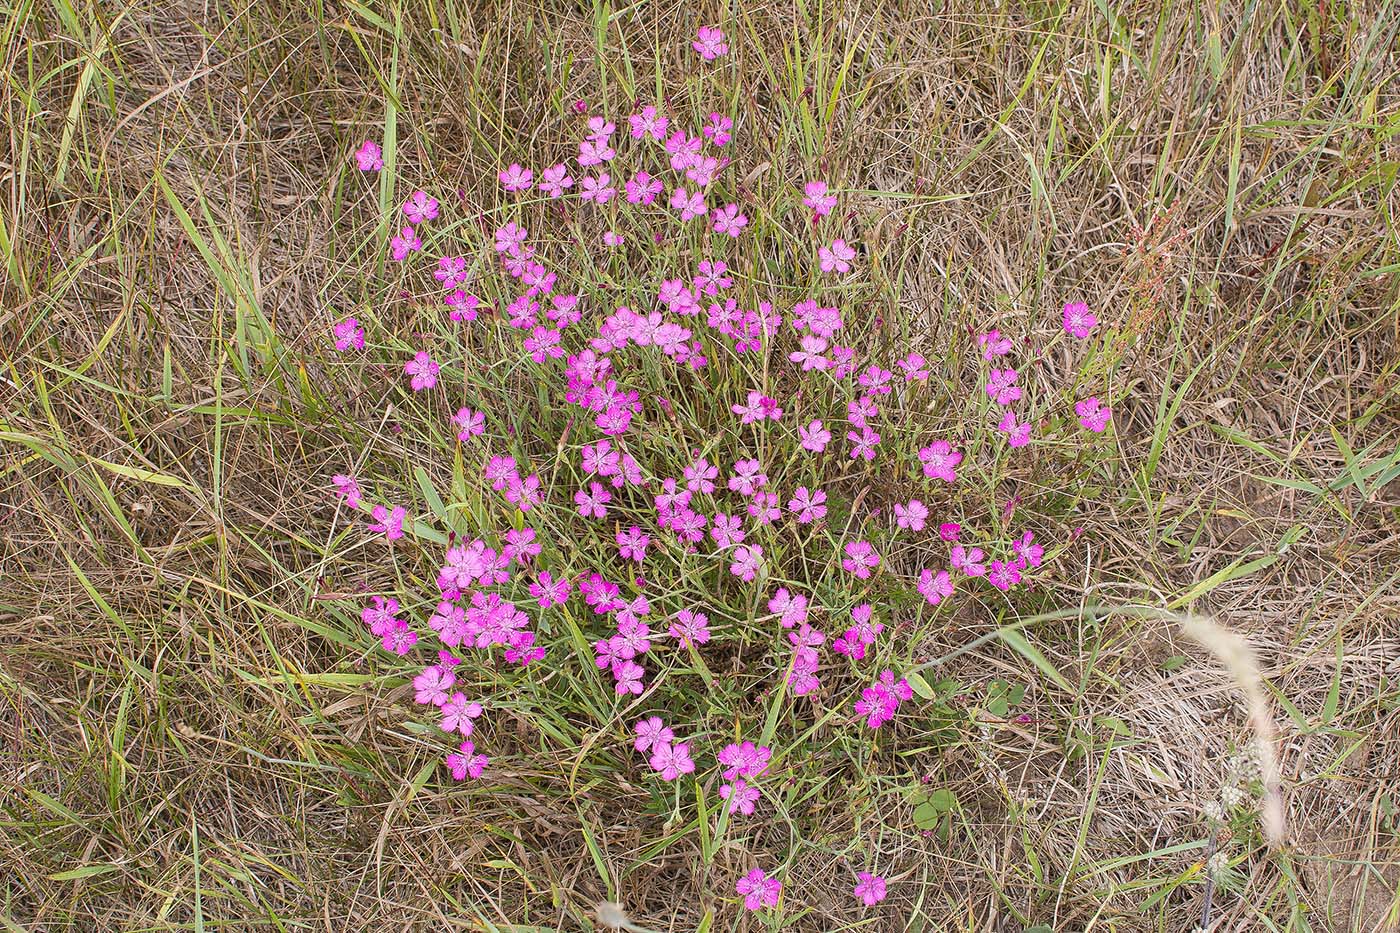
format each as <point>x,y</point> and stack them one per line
<point>628,510</point>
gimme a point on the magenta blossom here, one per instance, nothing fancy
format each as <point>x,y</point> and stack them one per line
<point>347,489</point>
<point>690,628</point>
<point>420,207</point>
<point>369,157</point>
<point>709,42</point>
<point>741,795</point>
<point>1017,434</point>
<point>940,461</point>
<point>993,344</point>
<point>912,515</point>
<point>1092,414</point>
<point>816,196</point>
<point>423,370</point>
<point>516,178</point>
<point>404,242</point>
<point>759,890</point>
<point>671,761</point>
<point>388,522</point>
<point>652,731</point>
<point>466,762</point>
<point>860,559</point>
<point>809,505</point>
<point>870,889</point>
<point>814,437</point>
<point>836,257</point>
<point>935,587</point>
<point>748,560</point>
<point>1079,320</point>
<point>348,334</point>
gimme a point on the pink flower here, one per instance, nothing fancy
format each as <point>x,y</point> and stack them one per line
<point>1003,575</point>
<point>419,208</point>
<point>690,206</point>
<point>465,761</point>
<point>790,607</point>
<point>814,437</point>
<point>458,713</point>
<point>967,560</point>
<point>709,42</point>
<point>652,731</point>
<point>863,443</point>
<point>748,559</point>
<point>379,615</point>
<point>593,503</point>
<point>388,523</point>
<point>548,591</point>
<point>612,238</point>
<point>348,490</point>
<point>671,761</point>
<point>836,257</point>
<point>369,158</point>
<point>940,461</point>
<point>728,220</point>
<point>816,197</point>
<point>451,271</point>
<point>810,354</point>
<point>914,368</point>
<point>470,423</point>
<point>809,505</point>
<point>510,239</point>
<point>1026,552</point>
<point>690,628</point>
<point>632,544</point>
<point>935,587</point>
<point>1017,435</point>
<point>879,702</point>
<point>700,476</point>
<point>515,178</point>
<point>756,408</point>
<point>870,889</point>
<point>741,796</point>
<point>911,516</point>
<point>594,152</point>
<point>555,180</point>
<point>598,190</point>
<point>949,531</point>
<point>1001,386</point>
<point>746,760</point>
<point>643,188</point>
<point>349,333</point>
<point>1079,320</point>
<point>860,559</point>
<point>727,530</point>
<point>1092,414</point>
<point>993,344</point>
<point>464,306</point>
<point>759,890</point>
<point>404,242</point>
<point>431,686</point>
<point>763,508</point>
<point>717,130</point>
<point>399,639</point>
<point>424,371</point>
<point>629,677</point>
<point>648,123</point>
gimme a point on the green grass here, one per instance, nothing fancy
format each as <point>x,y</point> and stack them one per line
<point>199,735</point>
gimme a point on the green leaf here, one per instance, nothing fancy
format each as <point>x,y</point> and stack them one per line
<point>919,686</point>
<point>1032,654</point>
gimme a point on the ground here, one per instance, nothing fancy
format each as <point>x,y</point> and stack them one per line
<point>191,740</point>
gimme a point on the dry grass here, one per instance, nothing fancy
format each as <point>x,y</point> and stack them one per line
<point>186,744</point>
